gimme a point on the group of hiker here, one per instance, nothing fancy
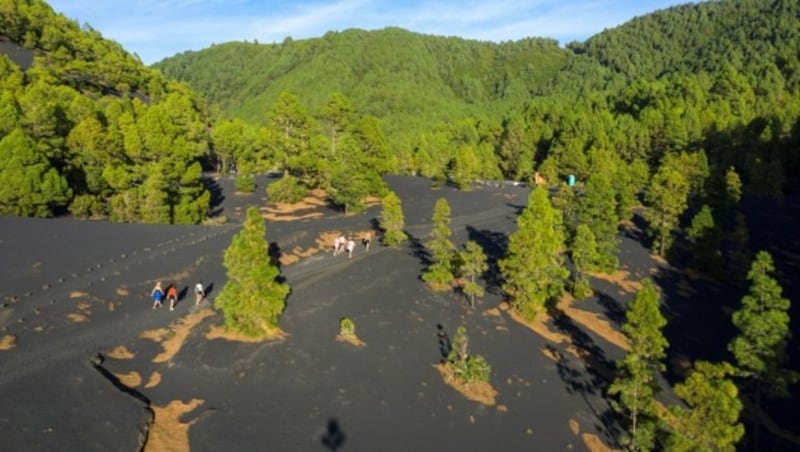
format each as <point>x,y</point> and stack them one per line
<point>342,244</point>
<point>171,295</point>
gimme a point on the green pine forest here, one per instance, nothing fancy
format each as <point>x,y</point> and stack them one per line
<point>678,115</point>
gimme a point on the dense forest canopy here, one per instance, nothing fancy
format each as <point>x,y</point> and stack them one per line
<point>88,128</point>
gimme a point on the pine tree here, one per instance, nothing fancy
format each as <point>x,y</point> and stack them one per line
<point>733,188</point>
<point>473,264</point>
<point>584,258</point>
<point>534,269</point>
<point>565,200</point>
<point>392,221</point>
<point>635,383</point>
<point>705,238</point>
<point>711,421</point>
<point>439,273</point>
<point>666,200</point>
<point>763,322</point>
<point>597,209</point>
<point>253,297</point>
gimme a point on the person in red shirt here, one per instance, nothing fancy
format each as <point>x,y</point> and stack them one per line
<point>172,296</point>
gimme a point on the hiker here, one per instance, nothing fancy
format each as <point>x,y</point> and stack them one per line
<point>366,240</point>
<point>339,245</point>
<point>350,247</point>
<point>172,296</point>
<point>199,293</point>
<point>157,294</point>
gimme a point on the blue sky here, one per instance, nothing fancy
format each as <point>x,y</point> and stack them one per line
<point>156,29</point>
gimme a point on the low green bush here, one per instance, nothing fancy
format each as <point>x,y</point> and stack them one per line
<point>287,189</point>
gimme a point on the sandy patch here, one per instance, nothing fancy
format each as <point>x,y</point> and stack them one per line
<point>574,427</point>
<point>77,294</point>
<point>308,216</point>
<point>219,332</point>
<point>77,317</point>
<point>167,433</point>
<point>351,339</point>
<point>620,278</point>
<point>155,379</point>
<point>131,379</point>
<point>180,331</point>
<point>593,322</point>
<point>551,353</point>
<point>8,342</point>
<point>659,259</point>
<point>289,259</point>
<point>120,352</point>
<point>122,291</point>
<point>479,391</point>
<point>540,327</point>
<point>292,212</point>
<point>156,335</point>
<point>594,443</point>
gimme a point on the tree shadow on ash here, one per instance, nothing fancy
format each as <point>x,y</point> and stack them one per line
<point>334,436</point>
<point>445,345</point>
<point>495,245</point>
<point>637,231</point>
<point>611,308</point>
<point>217,197</point>
<point>698,314</point>
<point>518,208</point>
<point>589,375</point>
<point>418,250</point>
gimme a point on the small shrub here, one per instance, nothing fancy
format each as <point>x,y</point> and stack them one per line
<point>287,189</point>
<point>245,183</point>
<point>467,368</point>
<point>214,221</point>
<point>87,206</point>
<point>581,288</point>
<point>347,327</point>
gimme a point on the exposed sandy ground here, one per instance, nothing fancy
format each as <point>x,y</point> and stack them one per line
<point>167,432</point>
<point>154,380</point>
<point>219,332</point>
<point>8,342</point>
<point>174,337</point>
<point>478,391</point>
<point>120,352</point>
<point>351,339</point>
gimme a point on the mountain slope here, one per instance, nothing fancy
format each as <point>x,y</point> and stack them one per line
<point>393,74</point>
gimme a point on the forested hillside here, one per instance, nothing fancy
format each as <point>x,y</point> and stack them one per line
<point>86,127</point>
<point>408,80</point>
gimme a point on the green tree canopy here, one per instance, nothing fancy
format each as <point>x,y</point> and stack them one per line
<point>253,297</point>
<point>533,269</point>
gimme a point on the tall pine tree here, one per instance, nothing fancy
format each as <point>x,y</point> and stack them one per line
<point>439,273</point>
<point>598,210</point>
<point>711,419</point>
<point>253,297</point>
<point>533,269</point>
<point>763,323</point>
<point>472,265</point>
<point>635,383</point>
<point>392,221</point>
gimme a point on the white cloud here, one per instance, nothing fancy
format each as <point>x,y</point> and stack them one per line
<point>155,29</point>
